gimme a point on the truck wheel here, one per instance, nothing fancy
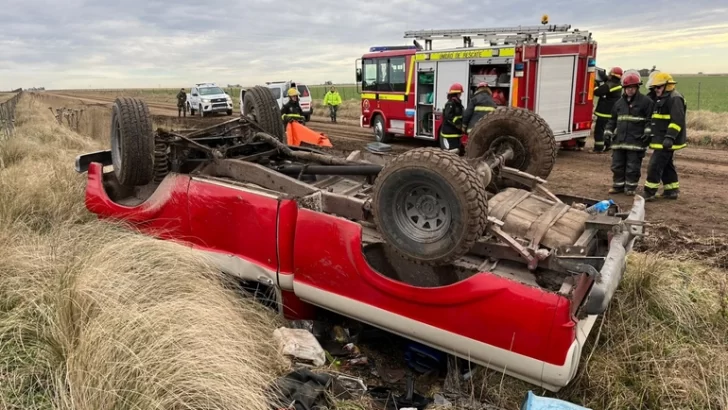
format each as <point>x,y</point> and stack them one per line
<point>191,110</point>
<point>261,107</point>
<point>132,141</point>
<point>202,113</point>
<point>429,205</point>
<point>520,129</point>
<point>379,132</point>
<point>229,112</point>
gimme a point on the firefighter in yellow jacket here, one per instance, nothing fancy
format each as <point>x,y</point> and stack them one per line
<point>667,127</point>
<point>332,99</point>
<point>609,93</point>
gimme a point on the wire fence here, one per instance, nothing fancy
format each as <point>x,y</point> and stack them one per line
<point>7,115</point>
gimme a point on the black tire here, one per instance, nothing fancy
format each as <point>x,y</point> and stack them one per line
<point>307,117</point>
<point>192,110</point>
<point>380,134</point>
<point>261,107</point>
<point>132,141</point>
<point>229,112</point>
<point>525,131</point>
<point>446,176</point>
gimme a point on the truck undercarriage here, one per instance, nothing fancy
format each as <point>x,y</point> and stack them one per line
<point>428,218</point>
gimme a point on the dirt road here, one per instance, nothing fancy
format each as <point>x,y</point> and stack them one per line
<point>698,214</point>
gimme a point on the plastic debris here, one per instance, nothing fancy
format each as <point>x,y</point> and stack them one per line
<point>534,402</point>
<point>300,344</point>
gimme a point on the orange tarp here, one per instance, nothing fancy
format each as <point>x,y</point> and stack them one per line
<point>298,133</point>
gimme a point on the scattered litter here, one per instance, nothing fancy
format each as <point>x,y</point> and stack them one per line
<point>339,334</point>
<point>423,359</point>
<point>441,401</point>
<point>378,147</point>
<point>302,390</point>
<point>534,402</point>
<point>300,344</point>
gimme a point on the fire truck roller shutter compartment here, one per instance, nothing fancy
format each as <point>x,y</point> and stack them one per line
<point>555,93</point>
<point>449,72</point>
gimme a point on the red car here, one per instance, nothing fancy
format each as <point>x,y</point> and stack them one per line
<point>424,244</point>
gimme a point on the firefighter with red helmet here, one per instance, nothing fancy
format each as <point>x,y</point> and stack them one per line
<point>668,135</point>
<point>608,92</point>
<point>628,133</point>
<point>451,130</point>
<point>481,104</point>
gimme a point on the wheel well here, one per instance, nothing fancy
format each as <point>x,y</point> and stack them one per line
<point>378,114</point>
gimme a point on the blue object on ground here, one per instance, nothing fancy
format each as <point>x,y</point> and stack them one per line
<point>533,402</point>
<point>600,207</point>
<point>423,358</point>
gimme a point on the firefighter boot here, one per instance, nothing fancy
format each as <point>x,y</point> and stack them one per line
<point>650,195</point>
<point>670,194</point>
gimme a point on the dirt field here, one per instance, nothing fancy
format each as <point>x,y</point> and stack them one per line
<point>696,222</point>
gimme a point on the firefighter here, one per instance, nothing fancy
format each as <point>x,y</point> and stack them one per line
<point>181,102</point>
<point>667,136</point>
<point>333,100</point>
<point>291,111</point>
<point>628,130</point>
<point>481,104</point>
<point>451,130</point>
<point>608,92</point>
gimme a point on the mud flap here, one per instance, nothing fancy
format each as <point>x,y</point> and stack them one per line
<point>615,264</point>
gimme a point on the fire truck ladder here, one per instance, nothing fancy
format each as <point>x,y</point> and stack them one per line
<point>492,35</point>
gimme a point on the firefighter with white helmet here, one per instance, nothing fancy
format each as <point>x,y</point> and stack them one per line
<point>451,130</point>
<point>481,104</point>
<point>608,92</point>
<point>628,130</point>
<point>291,110</point>
<point>668,126</point>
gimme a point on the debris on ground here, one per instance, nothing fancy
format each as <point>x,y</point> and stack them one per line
<point>301,345</point>
<point>534,402</point>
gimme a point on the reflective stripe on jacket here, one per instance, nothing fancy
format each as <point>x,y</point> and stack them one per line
<point>630,120</point>
<point>609,93</point>
<point>669,120</point>
<point>452,119</point>
<point>481,104</point>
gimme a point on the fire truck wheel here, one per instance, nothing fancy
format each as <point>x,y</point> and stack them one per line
<point>430,206</point>
<point>522,130</point>
<point>260,106</point>
<point>132,141</point>
<point>379,132</point>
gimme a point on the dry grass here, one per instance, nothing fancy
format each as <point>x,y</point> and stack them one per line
<point>96,316</point>
<point>663,344</point>
<point>349,109</point>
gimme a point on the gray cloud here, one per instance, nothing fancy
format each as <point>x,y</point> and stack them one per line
<point>141,43</point>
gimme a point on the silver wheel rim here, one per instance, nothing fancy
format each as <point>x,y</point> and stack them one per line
<point>421,211</point>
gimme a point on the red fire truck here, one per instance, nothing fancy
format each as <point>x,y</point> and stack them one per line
<point>548,69</point>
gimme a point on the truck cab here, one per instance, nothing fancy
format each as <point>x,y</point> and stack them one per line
<point>208,98</point>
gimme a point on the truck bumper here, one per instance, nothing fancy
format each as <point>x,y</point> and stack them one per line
<point>615,265</point>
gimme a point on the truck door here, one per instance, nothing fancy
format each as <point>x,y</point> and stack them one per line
<point>555,92</point>
<point>449,72</point>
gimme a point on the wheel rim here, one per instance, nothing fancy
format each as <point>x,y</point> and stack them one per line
<point>378,129</point>
<point>421,212</point>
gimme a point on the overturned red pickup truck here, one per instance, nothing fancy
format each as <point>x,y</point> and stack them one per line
<point>469,254</point>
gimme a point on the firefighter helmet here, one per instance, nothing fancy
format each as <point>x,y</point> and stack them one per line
<point>456,88</point>
<point>630,79</point>
<point>616,72</point>
<point>662,79</point>
<point>292,92</point>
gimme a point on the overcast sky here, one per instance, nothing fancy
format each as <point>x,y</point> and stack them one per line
<point>150,43</point>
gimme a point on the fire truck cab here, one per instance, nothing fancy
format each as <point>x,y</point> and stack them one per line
<point>548,69</point>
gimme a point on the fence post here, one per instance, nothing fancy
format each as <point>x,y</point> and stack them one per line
<point>699,95</point>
